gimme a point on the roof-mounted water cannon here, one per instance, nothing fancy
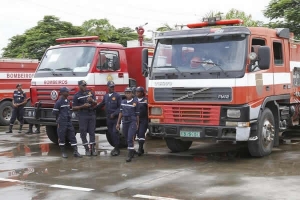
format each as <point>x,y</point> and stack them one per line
<point>140,31</point>
<point>215,21</point>
<point>77,39</point>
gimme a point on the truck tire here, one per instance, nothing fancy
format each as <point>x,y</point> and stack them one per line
<point>176,145</point>
<point>122,142</point>
<point>265,133</point>
<point>6,109</point>
<point>52,134</point>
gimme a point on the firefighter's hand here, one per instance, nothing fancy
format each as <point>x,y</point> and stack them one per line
<point>118,127</point>
<point>86,105</point>
<point>15,105</point>
<point>89,99</point>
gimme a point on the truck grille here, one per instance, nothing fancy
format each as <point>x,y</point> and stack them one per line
<point>44,95</point>
<point>188,114</point>
<point>193,94</point>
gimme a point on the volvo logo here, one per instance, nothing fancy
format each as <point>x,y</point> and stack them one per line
<point>54,95</point>
<point>190,94</point>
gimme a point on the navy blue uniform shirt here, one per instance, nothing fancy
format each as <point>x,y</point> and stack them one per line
<point>143,107</point>
<point>62,110</point>
<point>19,96</point>
<point>130,108</point>
<point>80,98</point>
<point>112,103</point>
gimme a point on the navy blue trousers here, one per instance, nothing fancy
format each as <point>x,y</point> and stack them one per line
<point>129,129</point>
<point>18,113</point>
<point>111,126</point>
<point>143,126</point>
<point>87,124</point>
<point>66,130</point>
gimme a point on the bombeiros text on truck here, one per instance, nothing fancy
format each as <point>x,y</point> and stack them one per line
<point>82,58</point>
<point>225,83</point>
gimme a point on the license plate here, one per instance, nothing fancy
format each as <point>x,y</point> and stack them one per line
<point>189,134</point>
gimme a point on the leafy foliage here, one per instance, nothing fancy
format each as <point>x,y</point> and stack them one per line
<point>286,14</point>
<point>34,42</point>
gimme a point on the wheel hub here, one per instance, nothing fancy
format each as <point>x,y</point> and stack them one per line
<point>268,132</point>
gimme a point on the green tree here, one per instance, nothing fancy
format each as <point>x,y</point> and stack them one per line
<point>235,14</point>
<point>238,14</point>
<point>99,27</point>
<point>124,34</point>
<point>165,27</point>
<point>284,14</point>
<point>34,42</point>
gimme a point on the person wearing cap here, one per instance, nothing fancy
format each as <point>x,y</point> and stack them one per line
<point>112,103</point>
<point>19,101</point>
<point>65,128</point>
<point>83,102</point>
<point>129,114</point>
<point>143,125</point>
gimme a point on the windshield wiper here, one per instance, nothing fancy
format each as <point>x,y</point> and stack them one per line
<point>49,69</point>
<point>66,69</point>
<point>215,65</point>
<point>171,67</point>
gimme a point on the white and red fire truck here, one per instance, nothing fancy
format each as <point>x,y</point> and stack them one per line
<point>82,58</point>
<point>13,72</point>
<point>242,85</point>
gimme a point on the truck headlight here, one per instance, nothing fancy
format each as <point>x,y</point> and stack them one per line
<point>233,113</point>
<point>156,111</point>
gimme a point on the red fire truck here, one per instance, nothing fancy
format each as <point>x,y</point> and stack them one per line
<point>82,58</point>
<point>12,72</point>
<point>237,83</point>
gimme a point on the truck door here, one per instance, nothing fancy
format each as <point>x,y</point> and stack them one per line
<point>262,79</point>
<point>279,59</point>
<point>109,68</point>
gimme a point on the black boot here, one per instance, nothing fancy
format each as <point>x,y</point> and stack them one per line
<point>63,153</point>
<point>130,155</point>
<point>76,154</point>
<point>10,129</point>
<point>93,150</point>
<point>115,151</point>
<point>29,132</point>
<point>87,150</point>
<point>20,129</point>
<point>38,130</point>
<point>141,148</point>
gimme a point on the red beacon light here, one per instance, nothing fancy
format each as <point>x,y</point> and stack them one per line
<point>215,21</point>
<point>77,39</point>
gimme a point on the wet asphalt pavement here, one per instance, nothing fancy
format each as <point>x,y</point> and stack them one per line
<point>31,168</point>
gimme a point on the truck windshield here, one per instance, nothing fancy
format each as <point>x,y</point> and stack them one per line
<point>222,56</point>
<point>66,61</point>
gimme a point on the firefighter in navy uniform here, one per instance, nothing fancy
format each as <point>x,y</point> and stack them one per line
<point>112,103</point>
<point>84,102</point>
<point>129,113</point>
<point>64,124</point>
<point>19,101</point>
<point>143,125</point>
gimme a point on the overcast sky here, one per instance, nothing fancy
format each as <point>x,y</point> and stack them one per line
<point>16,16</point>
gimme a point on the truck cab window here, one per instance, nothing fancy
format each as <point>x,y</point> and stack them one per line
<point>255,44</point>
<point>277,53</point>
<point>108,61</point>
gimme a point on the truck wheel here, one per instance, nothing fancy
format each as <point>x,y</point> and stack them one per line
<point>176,145</point>
<point>123,142</point>
<point>265,133</point>
<point>52,134</point>
<point>6,108</point>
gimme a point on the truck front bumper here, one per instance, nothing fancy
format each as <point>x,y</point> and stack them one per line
<point>194,132</point>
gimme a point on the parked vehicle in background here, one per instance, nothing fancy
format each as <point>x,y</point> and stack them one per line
<point>13,72</point>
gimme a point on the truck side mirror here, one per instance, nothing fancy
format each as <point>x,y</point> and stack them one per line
<point>264,57</point>
<point>145,62</point>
